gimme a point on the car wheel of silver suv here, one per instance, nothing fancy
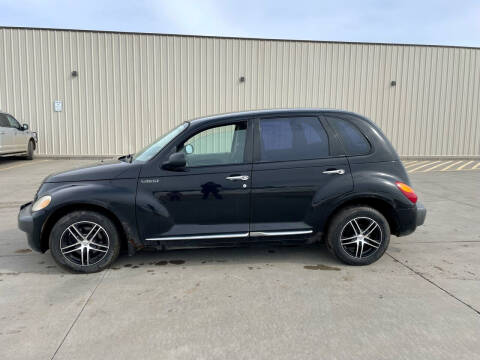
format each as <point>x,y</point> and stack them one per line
<point>30,150</point>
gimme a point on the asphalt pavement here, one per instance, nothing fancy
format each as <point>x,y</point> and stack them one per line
<point>420,301</point>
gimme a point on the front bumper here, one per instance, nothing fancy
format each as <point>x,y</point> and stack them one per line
<point>32,224</point>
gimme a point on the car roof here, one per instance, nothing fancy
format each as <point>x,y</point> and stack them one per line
<point>264,112</point>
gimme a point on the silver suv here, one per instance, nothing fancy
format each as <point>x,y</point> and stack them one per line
<point>16,139</point>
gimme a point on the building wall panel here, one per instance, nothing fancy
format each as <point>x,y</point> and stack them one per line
<point>131,88</point>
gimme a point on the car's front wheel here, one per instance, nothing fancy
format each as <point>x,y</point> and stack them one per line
<point>84,241</point>
<point>30,150</point>
<point>358,235</point>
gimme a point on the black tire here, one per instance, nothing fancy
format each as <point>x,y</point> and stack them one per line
<point>30,150</point>
<point>100,254</point>
<point>348,225</point>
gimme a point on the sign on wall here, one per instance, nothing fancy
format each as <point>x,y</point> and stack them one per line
<point>57,105</point>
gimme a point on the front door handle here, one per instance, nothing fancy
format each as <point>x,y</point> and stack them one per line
<point>337,171</point>
<point>237,178</point>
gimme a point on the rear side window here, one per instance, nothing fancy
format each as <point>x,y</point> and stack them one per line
<point>292,138</point>
<point>354,141</point>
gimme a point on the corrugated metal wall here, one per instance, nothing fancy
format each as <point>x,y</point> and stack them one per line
<point>131,88</point>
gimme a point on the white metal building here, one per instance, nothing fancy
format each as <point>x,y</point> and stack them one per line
<point>107,93</point>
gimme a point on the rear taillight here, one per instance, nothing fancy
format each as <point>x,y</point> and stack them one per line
<point>407,191</point>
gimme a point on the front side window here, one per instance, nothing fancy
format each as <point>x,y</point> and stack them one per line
<point>220,145</point>
<point>292,138</point>
<point>13,123</point>
<point>354,141</point>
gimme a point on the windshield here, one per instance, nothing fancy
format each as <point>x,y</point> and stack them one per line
<point>151,150</point>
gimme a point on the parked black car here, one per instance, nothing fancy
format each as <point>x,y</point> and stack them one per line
<point>274,175</point>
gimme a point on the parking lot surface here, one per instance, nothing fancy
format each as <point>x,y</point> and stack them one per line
<point>440,165</point>
<point>420,301</point>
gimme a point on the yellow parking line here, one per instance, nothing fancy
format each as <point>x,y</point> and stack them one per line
<point>408,162</point>
<point>413,164</point>
<point>422,166</point>
<point>461,167</point>
<point>21,165</point>
<point>436,166</point>
<point>449,166</point>
<point>476,166</point>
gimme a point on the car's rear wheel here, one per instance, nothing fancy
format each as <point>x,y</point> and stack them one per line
<point>84,241</point>
<point>358,235</point>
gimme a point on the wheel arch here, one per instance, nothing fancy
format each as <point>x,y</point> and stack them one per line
<point>34,143</point>
<point>64,210</point>
<point>380,204</point>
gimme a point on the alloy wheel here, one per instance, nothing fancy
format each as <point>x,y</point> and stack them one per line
<point>361,237</point>
<point>84,243</point>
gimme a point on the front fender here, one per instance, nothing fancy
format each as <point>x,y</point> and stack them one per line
<point>117,197</point>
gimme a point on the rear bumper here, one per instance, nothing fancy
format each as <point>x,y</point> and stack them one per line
<point>421,214</point>
<point>409,219</point>
<point>31,224</point>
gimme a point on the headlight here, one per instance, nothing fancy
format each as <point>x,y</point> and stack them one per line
<point>41,203</point>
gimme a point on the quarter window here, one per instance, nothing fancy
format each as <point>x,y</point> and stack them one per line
<point>354,141</point>
<point>221,145</point>
<point>295,138</point>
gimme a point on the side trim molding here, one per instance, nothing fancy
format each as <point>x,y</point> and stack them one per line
<point>229,236</point>
<point>199,237</point>
<point>280,233</point>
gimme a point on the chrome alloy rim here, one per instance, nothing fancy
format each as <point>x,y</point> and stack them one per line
<point>361,237</point>
<point>84,243</point>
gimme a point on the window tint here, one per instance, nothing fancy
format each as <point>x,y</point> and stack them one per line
<point>354,141</point>
<point>217,146</point>
<point>296,138</point>
<point>13,123</point>
<point>4,121</point>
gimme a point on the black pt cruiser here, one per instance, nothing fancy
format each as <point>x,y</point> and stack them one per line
<point>302,175</point>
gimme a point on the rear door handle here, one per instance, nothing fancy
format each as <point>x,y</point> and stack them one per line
<point>238,178</point>
<point>337,171</point>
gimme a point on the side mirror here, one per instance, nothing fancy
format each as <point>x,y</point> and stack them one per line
<point>175,162</point>
<point>25,127</point>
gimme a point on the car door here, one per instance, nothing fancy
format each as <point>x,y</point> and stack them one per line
<point>7,136</point>
<point>298,166</point>
<point>20,140</point>
<point>209,199</point>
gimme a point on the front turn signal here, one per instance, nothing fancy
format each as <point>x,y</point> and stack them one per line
<point>41,203</point>
<point>407,191</point>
